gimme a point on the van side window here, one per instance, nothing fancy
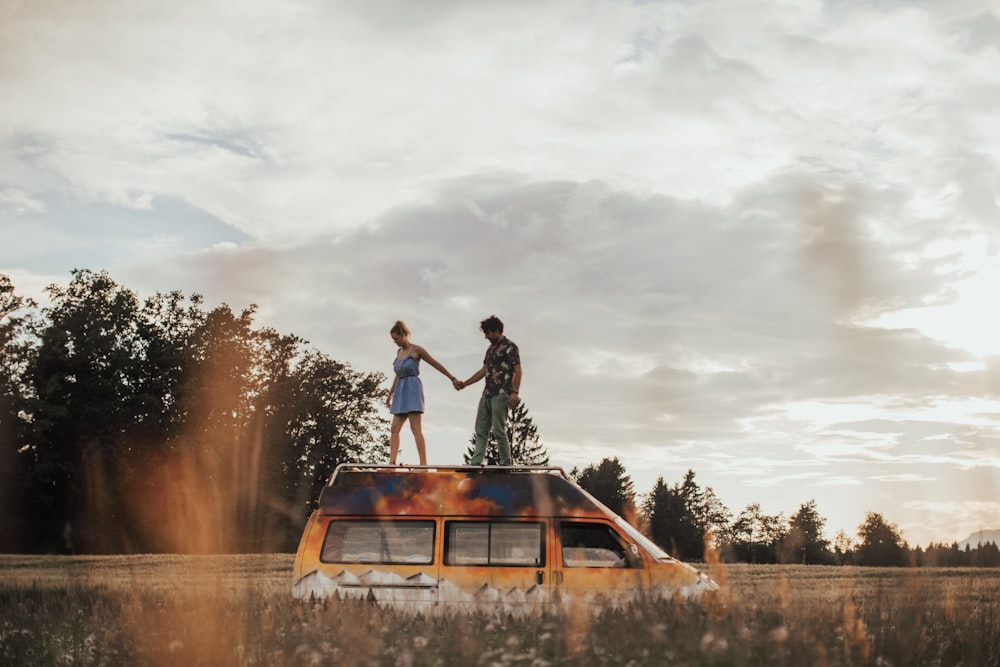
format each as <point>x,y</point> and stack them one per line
<point>386,542</point>
<point>494,543</point>
<point>591,545</point>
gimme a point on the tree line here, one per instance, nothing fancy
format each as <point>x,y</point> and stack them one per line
<point>161,425</point>
<point>153,425</point>
<point>691,523</point>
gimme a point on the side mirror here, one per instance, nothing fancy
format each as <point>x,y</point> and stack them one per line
<point>636,555</point>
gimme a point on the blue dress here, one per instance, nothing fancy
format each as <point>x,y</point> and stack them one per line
<point>409,394</point>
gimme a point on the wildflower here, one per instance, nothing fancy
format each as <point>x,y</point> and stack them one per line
<point>712,644</point>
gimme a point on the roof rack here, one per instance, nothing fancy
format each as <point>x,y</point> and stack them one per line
<point>357,467</point>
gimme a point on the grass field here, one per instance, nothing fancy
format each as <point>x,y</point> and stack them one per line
<point>237,610</point>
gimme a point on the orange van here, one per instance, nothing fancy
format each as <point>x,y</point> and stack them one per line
<point>517,539</point>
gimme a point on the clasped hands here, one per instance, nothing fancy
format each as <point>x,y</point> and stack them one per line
<point>457,384</point>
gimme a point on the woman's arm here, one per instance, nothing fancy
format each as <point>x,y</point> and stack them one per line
<point>388,399</point>
<point>425,355</point>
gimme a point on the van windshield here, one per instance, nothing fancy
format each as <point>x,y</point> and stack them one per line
<point>644,542</point>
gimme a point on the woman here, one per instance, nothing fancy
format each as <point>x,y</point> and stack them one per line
<point>406,395</point>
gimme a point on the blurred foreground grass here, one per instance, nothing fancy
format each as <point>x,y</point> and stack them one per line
<point>237,610</point>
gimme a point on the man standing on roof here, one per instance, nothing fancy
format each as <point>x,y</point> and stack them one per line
<point>502,370</point>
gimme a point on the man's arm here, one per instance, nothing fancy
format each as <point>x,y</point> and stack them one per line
<point>476,377</point>
<point>515,385</point>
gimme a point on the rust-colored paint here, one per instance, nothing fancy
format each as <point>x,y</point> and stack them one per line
<point>480,492</point>
<point>544,496</point>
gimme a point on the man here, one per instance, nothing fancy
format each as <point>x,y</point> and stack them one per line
<point>502,371</point>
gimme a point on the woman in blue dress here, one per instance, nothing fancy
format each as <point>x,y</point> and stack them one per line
<point>406,395</point>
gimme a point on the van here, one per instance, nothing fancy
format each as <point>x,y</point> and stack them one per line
<point>515,539</point>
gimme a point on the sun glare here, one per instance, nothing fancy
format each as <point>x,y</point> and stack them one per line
<point>968,323</point>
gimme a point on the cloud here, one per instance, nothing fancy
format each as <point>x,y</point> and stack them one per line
<point>903,477</point>
<point>60,232</point>
<point>660,306</point>
<point>955,520</point>
<point>17,202</point>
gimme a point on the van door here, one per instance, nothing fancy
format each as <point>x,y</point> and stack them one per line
<point>596,564</point>
<point>490,564</point>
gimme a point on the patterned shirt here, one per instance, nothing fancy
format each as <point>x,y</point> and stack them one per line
<point>499,363</point>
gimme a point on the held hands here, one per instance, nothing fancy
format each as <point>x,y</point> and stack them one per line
<point>458,384</point>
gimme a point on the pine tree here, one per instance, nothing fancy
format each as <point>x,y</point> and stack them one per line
<point>609,483</point>
<point>525,448</point>
<point>804,542</point>
<point>682,516</point>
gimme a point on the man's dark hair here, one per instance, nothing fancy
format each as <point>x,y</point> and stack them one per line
<point>491,324</point>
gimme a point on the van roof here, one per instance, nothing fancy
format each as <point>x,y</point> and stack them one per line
<point>527,491</point>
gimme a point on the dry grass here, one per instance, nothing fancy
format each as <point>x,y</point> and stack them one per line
<point>237,610</point>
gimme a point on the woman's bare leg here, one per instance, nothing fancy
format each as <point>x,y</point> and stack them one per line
<point>416,425</point>
<point>394,429</point>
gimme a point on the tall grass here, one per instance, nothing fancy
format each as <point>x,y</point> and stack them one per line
<point>237,610</point>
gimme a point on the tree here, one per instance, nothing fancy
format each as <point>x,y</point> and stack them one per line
<point>804,542</point>
<point>264,425</point>
<point>754,536</point>
<point>326,414</point>
<point>672,524</point>
<point>986,555</point>
<point>16,326</point>
<point>843,548</point>
<point>711,515</point>
<point>165,427</point>
<point>881,543</point>
<point>682,518</point>
<point>83,396</point>
<point>167,327</point>
<point>610,484</point>
<point>522,434</point>
<point>942,555</point>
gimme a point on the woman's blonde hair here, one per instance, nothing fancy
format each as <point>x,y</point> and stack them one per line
<point>399,328</point>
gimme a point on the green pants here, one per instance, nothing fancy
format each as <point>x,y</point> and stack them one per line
<point>492,415</point>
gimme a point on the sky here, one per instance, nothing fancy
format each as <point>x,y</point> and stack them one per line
<point>756,239</point>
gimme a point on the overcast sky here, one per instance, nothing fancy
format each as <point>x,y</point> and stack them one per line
<point>758,239</point>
